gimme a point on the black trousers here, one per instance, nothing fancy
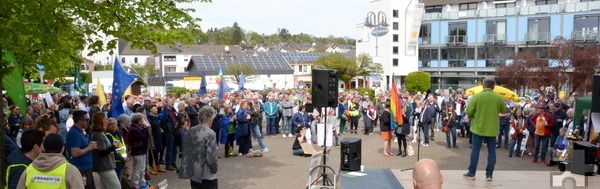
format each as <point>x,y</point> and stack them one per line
<point>89,184</point>
<point>206,184</point>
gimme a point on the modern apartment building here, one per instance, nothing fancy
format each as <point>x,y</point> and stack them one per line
<point>463,41</point>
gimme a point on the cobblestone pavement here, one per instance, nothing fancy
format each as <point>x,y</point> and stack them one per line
<point>280,169</point>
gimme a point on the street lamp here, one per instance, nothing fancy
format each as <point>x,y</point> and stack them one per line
<point>379,24</point>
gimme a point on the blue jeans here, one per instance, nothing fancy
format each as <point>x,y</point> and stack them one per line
<point>503,133</point>
<point>451,134</point>
<point>491,161</point>
<point>298,152</point>
<point>517,141</point>
<point>119,169</point>
<point>313,130</point>
<point>258,136</point>
<point>425,130</point>
<point>272,126</point>
<point>171,154</point>
<point>544,144</point>
<point>287,125</point>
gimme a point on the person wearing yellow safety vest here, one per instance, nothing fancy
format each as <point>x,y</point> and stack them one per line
<point>114,134</point>
<point>18,160</point>
<point>50,169</point>
<point>354,114</point>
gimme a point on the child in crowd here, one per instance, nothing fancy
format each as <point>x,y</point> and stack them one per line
<point>183,126</point>
<point>332,119</point>
<point>228,124</point>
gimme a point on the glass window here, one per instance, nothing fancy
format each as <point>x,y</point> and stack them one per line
<point>170,58</point>
<point>425,34</point>
<point>395,25</point>
<point>495,30</point>
<point>467,6</point>
<point>432,9</point>
<point>395,38</point>
<point>426,56</point>
<point>495,56</point>
<point>135,60</point>
<point>394,50</point>
<point>546,2</point>
<point>505,5</point>
<point>123,60</point>
<point>395,62</point>
<point>395,13</point>
<point>586,23</point>
<point>170,69</point>
<point>457,32</point>
<point>538,29</point>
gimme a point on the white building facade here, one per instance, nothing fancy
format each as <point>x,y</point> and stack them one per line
<point>397,50</point>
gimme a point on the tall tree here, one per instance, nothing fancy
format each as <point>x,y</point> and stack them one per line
<point>237,34</point>
<point>53,32</point>
<point>238,68</point>
<point>347,66</point>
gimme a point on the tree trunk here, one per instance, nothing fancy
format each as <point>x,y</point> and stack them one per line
<point>3,123</point>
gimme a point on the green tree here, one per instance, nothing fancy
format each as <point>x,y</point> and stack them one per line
<point>236,69</point>
<point>284,34</point>
<point>53,32</point>
<point>179,91</point>
<point>345,65</point>
<point>237,34</point>
<point>143,71</point>
<point>418,81</point>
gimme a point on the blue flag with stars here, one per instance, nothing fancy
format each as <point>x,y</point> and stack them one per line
<point>202,91</point>
<point>121,80</point>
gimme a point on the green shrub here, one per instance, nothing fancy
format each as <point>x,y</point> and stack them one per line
<point>418,81</point>
<point>179,91</point>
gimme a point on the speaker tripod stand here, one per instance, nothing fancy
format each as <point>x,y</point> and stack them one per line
<point>327,177</point>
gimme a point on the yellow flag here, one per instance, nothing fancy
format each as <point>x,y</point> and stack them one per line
<point>100,92</point>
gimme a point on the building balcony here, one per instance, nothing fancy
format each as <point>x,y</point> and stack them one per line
<point>585,36</point>
<point>537,37</point>
<point>424,40</point>
<point>510,11</point>
<point>456,40</point>
<point>494,38</point>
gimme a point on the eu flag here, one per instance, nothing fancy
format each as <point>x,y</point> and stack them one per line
<point>121,80</point>
<point>202,91</point>
<point>223,87</point>
<point>242,81</point>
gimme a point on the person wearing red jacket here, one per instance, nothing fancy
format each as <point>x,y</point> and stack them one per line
<point>543,128</point>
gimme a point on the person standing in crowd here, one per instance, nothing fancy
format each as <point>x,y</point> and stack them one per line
<point>26,124</point>
<point>14,121</point>
<point>103,157</point>
<point>301,119</point>
<point>518,124</point>
<point>37,110</point>
<point>404,131</point>
<point>341,115</point>
<point>504,128</point>
<point>558,117</point>
<point>385,129</point>
<point>365,104</point>
<point>63,117</point>
<point>168,126</point>
<point>138,142</point>
<point>192,111</point>
<point>18,160</point>
<point>83,103</point>
<point>483,109</point>
<point>199,153</point>
<point>51,163</point>
<point>216,124</point>
<point>432,106</point>
<point>114,134</point>
<point>228,124</point>
<point>154,121</point>
<point>94,105</point>
<point>271,112</point>
<point>543,128</point>
<point>257,106</point>
<point>354,114</point>
<point>427,119</point>
<point>450,119</point>
<point>243,128</point>
<point>287,113</point>
<point>79,148</point>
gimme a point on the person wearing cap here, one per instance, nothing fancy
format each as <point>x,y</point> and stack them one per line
<point>50,169</point>
<point>484,109</point>
<point>558,117</point>
<point>543,123</point>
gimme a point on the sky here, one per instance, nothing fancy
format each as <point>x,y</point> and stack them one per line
<point>319,18</point>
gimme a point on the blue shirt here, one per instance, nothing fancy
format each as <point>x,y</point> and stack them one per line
<point>75,138</point>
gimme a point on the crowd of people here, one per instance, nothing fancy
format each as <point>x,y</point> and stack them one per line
<point>161,133</point>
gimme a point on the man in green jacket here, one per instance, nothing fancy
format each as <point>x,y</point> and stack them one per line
<point>484,109</point>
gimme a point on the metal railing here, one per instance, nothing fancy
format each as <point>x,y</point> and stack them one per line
<point>537,37</point>
<point>456,39</point>
<point>523,10</point>
<point>585,35</point>
<point>494,38</point>
<point>424,40</point>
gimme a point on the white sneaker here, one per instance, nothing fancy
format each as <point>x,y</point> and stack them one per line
<point>290,135</point>
<point>266,150</point>
<point>283,135</point>
<point>395,139</point>
<point>414,141</point>
<point>425,145</point>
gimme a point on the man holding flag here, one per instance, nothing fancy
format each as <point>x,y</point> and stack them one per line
<point>121,81</point>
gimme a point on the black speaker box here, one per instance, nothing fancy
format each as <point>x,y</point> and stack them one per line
<point>584,160</point>
<point>325,87</point>
<point>596,94</point>
<point>350,154</point>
